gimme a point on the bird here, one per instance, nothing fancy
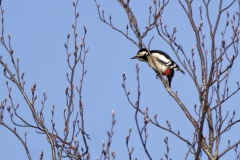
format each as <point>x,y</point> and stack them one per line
<point>163,61</point>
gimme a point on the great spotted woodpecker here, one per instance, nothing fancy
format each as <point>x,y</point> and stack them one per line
<point>163,61</point>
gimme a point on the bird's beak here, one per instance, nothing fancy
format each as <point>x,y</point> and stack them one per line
<point>134,57</point>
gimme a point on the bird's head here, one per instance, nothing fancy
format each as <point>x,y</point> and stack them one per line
<point>141,55</point>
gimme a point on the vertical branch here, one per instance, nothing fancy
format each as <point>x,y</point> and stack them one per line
<point>79,55</point>
<point>204,78</point>
<point>136,115</point>
<point>82,60</point>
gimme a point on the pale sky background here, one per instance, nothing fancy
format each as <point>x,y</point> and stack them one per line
<point>39,30</point>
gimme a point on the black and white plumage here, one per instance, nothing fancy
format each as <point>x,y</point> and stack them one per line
<point>163,61</point>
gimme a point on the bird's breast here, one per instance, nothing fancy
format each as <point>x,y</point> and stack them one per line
<point>160,66</point>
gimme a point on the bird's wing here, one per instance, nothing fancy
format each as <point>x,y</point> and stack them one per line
<point>165,60</point>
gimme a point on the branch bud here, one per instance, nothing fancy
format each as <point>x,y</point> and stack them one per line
<point>223,43</point>
<point>204,137</point>
<point>166,137</point>
<point>155,116</point>
<point>66,92</point>
<point>130,129</point>
<point>113,152</point>
<point>195,106</point>
<point>8,108</point>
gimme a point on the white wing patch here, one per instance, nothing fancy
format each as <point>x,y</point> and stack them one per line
<point>162,58</point>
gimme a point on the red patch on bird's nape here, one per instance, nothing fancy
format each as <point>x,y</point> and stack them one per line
<point>167,72</point>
